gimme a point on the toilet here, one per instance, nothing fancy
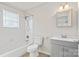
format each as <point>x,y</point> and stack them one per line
<point>34,47</point>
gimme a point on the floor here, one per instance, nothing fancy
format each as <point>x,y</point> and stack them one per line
<point>40,55</point>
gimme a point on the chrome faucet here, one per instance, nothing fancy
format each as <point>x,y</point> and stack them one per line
<point>63,36</point>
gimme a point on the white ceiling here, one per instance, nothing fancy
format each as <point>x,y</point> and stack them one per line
<point>23,5</point>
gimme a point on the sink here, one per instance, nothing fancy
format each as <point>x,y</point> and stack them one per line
<point>65,39</point>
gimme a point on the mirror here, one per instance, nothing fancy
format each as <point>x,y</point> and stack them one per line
<point>63,18</point>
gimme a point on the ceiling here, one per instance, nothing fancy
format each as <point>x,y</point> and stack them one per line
<point>24,5</point>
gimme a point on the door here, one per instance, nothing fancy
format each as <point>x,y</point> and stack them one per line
<point>70,52</point>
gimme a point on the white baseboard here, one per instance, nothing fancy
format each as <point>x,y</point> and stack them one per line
<point>44,52</point>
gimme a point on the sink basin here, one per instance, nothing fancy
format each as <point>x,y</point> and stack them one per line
<point>65,39</point>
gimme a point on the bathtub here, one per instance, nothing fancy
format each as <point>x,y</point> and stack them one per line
<point>18,52</point>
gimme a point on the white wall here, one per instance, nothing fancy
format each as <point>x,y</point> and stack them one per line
<point>78,18</point>
<point>12,38</point>
<point>44,23</point>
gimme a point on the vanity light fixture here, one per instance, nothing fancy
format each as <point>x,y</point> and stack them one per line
<point>64,7</point>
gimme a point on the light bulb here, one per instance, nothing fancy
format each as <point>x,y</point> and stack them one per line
<point>61,8</point>
<point>66,7</point>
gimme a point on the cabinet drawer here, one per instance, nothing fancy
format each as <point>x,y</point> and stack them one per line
<point>65,43</point>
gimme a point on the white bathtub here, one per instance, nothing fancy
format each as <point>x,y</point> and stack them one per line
<point>15,52</point>
<point>18,52</point>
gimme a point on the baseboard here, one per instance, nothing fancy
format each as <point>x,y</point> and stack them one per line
<point>44,52</point>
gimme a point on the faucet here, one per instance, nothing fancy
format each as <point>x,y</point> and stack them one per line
<point>63,36</point>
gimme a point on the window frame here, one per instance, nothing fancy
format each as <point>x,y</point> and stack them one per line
<point>5,20</point>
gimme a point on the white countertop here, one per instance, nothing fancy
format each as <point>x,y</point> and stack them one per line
<point>65,39</point>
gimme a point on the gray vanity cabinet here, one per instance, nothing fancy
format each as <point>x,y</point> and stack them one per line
<point>63,49</point>
<point>57,50</point>
<point>70,52</point>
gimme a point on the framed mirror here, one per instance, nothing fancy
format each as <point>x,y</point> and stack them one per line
<point>63,18</point>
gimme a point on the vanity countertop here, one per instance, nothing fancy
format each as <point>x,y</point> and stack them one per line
<point>65,39</point>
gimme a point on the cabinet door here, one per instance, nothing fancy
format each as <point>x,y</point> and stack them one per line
<point>70,52</point>
<point>56,50</point>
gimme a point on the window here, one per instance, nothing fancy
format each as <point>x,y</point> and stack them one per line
<point>10,19</point>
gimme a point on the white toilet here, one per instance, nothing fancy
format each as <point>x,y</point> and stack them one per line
<point>34,47</point>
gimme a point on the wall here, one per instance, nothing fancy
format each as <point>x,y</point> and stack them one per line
<point>44,23</point>
<point>78,18</point>
<point>12,38</point>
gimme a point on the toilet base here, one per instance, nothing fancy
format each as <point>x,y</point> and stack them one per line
<point>34,54</point>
